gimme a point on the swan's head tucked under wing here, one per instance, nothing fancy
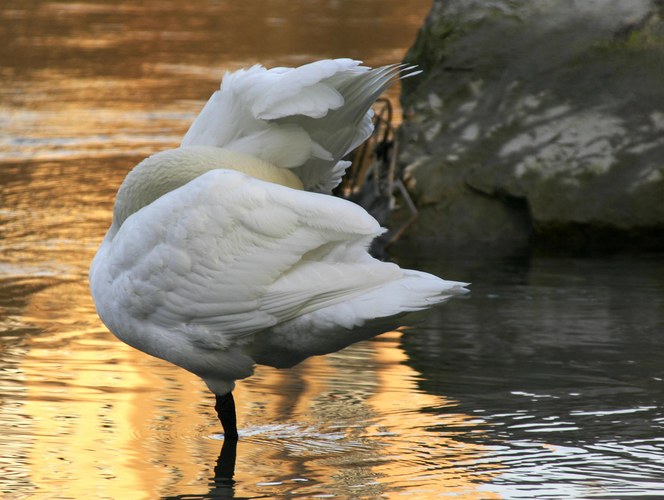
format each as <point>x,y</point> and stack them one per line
<point>163,172</point>
<point>229,250</point>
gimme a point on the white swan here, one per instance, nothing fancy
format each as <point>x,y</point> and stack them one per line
<point>229,251</point>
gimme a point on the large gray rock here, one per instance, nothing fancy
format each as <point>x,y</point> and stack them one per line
<point>538,121</point>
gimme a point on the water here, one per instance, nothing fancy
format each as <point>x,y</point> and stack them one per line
<point>560,361</point>
<point>545,382</point>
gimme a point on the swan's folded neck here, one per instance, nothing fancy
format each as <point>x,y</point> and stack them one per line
<point>168,170</point>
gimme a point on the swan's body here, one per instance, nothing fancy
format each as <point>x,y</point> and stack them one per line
<point>220,257</point>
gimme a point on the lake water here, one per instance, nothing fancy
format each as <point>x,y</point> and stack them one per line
<point>547,381</point>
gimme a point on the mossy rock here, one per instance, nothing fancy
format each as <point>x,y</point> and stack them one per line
<point>553,111</point>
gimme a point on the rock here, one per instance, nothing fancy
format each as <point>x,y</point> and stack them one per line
<point>537,123</point>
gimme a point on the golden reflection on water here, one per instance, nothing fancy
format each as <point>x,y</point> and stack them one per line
<point>103,420</point>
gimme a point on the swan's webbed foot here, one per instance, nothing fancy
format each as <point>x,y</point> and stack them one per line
<point>225,407</point>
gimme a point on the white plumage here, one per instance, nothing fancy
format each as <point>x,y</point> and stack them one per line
<point>217,259</point>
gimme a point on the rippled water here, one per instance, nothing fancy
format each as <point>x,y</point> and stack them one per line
<point>545,382</point>
<point>560,360</point>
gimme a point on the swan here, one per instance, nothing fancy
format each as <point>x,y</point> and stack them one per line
<point>230,251</point>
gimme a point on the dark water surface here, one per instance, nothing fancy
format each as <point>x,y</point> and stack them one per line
<point>545,382</point>
<point>560,360</point>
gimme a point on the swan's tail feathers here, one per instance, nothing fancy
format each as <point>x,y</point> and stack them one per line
<point>361,317</point>
<point>412,291</point>
<point>417,290</point>
<point>306,118</point>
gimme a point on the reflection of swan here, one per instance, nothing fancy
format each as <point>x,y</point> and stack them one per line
<point>221,484</point>
<point>218,256</point>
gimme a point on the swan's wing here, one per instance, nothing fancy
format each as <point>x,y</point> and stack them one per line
<point>305,118</point>
<point>343,129</point>
<point>243,115</point>
<point>227,255</point>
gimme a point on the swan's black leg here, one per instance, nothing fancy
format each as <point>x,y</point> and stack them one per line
<point>225,407</point>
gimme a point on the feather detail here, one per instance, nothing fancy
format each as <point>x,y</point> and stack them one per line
<point>306,118</point>
<point>217,259</point>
